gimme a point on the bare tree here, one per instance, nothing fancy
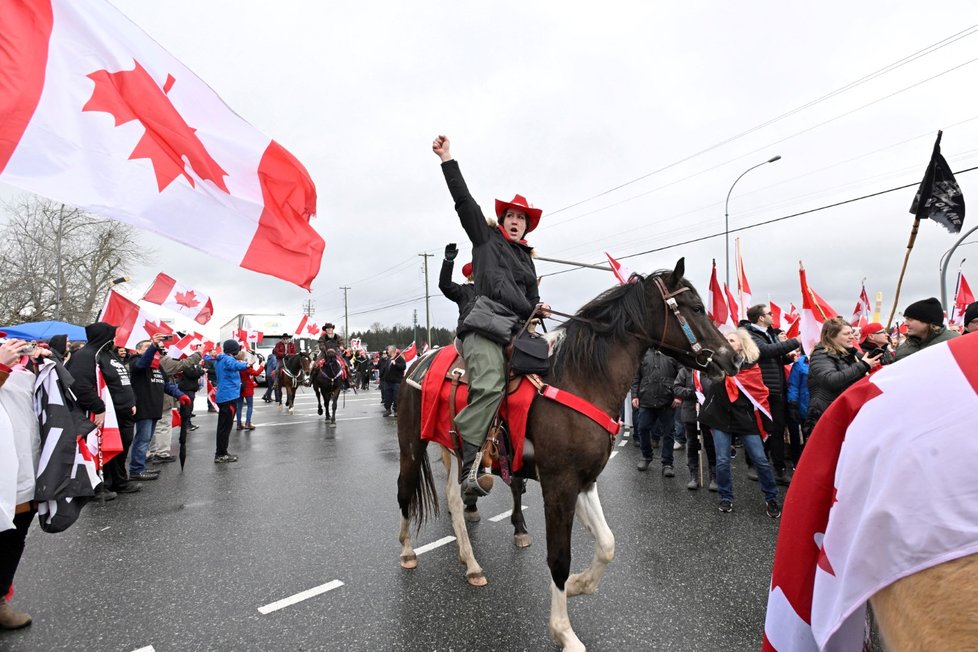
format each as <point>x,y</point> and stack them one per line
<point>58,261</point>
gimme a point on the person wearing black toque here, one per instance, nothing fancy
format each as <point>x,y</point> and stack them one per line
<point>971,318</point>
<point>925,327</point>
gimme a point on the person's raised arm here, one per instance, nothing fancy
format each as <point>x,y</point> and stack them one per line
<point>469,213</point>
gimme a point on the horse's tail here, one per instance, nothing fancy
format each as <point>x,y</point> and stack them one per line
<point>424,498</point>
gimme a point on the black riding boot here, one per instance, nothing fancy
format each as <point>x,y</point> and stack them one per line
<point>475,483</point>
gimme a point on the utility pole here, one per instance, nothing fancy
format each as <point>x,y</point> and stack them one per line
<point>427,308</point>
<point>309,307</point>
<point>415,320</point>
<point>346,314</point>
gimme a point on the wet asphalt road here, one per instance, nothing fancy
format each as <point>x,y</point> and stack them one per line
<point>187,563</point>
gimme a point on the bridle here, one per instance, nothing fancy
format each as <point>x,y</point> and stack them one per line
<point>297,378</point>
<point>700,355</point>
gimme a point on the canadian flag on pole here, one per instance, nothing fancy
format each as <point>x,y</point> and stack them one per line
<point>133,324</point>
<point>814,312</point>
<point>719,314</point>
<point>885,489</point>
<point>250,338</point>
<point>410,353</point>
<point>776,314</point>
<point>733,311</point>
<point>111,438</point>
<point>962,298</point>
<point>307,328</point>
<point>94,113</point>
<point>743,287</point>
<point>860,314</point>
<point>621,272</point>
<point>185,300</point>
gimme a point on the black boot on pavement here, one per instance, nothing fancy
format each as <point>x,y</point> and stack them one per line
<point>475,484</point>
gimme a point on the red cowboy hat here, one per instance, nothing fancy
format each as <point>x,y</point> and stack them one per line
<point>467,270</point>
<point>519,203</point>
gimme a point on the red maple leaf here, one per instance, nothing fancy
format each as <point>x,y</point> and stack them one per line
<point>187,299</point>
<point>313,329</point>
<point>133,95</point>
<point>154,328</point>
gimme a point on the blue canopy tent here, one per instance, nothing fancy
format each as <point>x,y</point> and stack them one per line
<point>42,330</point>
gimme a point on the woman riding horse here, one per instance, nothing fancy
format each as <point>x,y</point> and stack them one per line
<point>504,274</point>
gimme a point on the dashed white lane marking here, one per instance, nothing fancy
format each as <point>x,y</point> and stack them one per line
<point>507,513</point>
<point>434,544</point>
<point>105,528</point>
<point>612,456</point>
<point>300,420</point>
<point>622,443</point>
<point>299,597</point>
<point>148,648</point>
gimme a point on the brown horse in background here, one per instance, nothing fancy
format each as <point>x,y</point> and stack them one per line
<point>594,355</point>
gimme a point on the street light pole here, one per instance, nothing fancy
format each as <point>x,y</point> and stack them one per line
<point>726,214</point>
<point>946,260</point>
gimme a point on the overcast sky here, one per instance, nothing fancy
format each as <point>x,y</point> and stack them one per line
<point>564,102</point>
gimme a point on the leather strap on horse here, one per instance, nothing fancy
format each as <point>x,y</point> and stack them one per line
<point>456,438</point>
<point>576,403</point>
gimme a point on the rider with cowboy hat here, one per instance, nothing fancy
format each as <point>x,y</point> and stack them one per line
<point>504,273</point>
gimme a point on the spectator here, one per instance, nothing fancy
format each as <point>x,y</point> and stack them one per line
<point>835,365</point>
<point>876,340</point>
<point>211,382</point>
<point>159,449</point>
<point>227,369</point>
<point>100,351</point>
<point>798,398</point>
<point>728,411</point>
<point>652,396</point>
<point>925,326</point>
<point>393,373</point>
<point>188,382</point>
<point>271,380</point>
<point>364,369</point>
<point>685,388</point>
<point>150,383</point>
<point>246,402</point>
<point>774,350</point>
<point>382,363</point>
<point>971,318</point>
<point>17,413</point>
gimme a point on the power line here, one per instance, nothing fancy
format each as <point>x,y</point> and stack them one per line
<point>385,307</point>
<point>759,224</point>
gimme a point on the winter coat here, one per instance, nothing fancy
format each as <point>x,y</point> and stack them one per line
<point>174,369</point>
<point>870,350</point>
<point>81,366</point>
<point>504,270</point>
<point>189,379</point>
<point>326,343</point>
<point>17,405</point>
<point>798,394</point>
<point>773,357</point>
<point>685,389</point>
<point>830,374</point>
<point>393,371</point>
<point>914,344</point>
<point>248,383</point>
<point>734,418</point>
<point>228,377</point>
<point>463,294</point>
<point>150,383</point>
<point>654,380</point>
<point>282,349</point>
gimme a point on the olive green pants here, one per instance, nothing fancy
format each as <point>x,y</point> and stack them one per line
<point>485,369</point>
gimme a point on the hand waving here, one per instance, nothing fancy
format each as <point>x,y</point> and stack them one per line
<point>451,251</point>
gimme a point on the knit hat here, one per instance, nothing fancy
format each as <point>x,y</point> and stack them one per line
<point>467,270</point>
<point>971,312</point>
<point>231,347</point>
<point>928,311</point>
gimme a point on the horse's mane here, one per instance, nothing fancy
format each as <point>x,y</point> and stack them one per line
<point>601,325</point>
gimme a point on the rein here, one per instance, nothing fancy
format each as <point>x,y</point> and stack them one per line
<point>296,377</point>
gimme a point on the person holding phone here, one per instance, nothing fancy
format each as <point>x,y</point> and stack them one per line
<point>835,364</point>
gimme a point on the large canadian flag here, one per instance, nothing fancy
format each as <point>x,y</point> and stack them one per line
<point>307,328</point>
<point>94,113</point>
<point>815,311</point>
<point>886,488</point>
<point>133,323</point>
<point>185,300</point>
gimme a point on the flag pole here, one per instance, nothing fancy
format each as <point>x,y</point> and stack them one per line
<point>903,270</point>
<point>603,268</point>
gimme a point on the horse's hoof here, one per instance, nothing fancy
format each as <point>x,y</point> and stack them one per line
<point>472,516</point>
<point>320,412</point>
<point>291,411</point>
<point>476,579</point>
<point>522,540</point>
<point>409,562</point>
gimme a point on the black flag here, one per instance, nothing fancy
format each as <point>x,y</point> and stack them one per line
<point>943,201</point>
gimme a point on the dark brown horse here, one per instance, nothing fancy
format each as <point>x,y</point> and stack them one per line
<point>327,382</point>
<point>594,355</point>
<point>293,373</point>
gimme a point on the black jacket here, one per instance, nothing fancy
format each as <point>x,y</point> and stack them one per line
<point>773,359</point>
<point>869,349</point>
<point>461,294</point>
<point>737,418</point>
<point>830,374</point>
<point>392,371</point>
<point>150,384</point>
<point>654,380</point>
<point>686,390</point>
<point>504,269</point>
<point>81,366</point>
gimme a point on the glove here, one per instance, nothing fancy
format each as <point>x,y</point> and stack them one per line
<point>451,251</point>
<point>185,400</point>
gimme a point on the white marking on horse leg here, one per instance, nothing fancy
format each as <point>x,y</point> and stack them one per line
<point>409,559</point>
<point>446,461</point>
<point>473,571</point>
<point>590,514</point>
<point>559,625</point>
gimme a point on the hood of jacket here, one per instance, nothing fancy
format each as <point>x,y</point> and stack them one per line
<point>99,334</point>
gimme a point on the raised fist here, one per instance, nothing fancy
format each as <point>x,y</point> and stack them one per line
<point>451,251</point>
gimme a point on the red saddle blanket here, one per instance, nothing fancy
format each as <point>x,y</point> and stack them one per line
<point>435,421</point>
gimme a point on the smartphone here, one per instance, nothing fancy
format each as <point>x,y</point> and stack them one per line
<point>27,350</point>
<point>167,337</point>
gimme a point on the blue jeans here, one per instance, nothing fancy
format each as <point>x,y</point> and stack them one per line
<point>140,444</point>
<point>755,450</point>
<point>655,423</point>
<point>245,402</point>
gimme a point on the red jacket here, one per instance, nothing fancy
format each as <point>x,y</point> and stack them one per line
<point>248,382</point>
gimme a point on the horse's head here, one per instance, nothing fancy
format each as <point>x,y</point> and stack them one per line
<point>687,333</point>
<point>306,362</point>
